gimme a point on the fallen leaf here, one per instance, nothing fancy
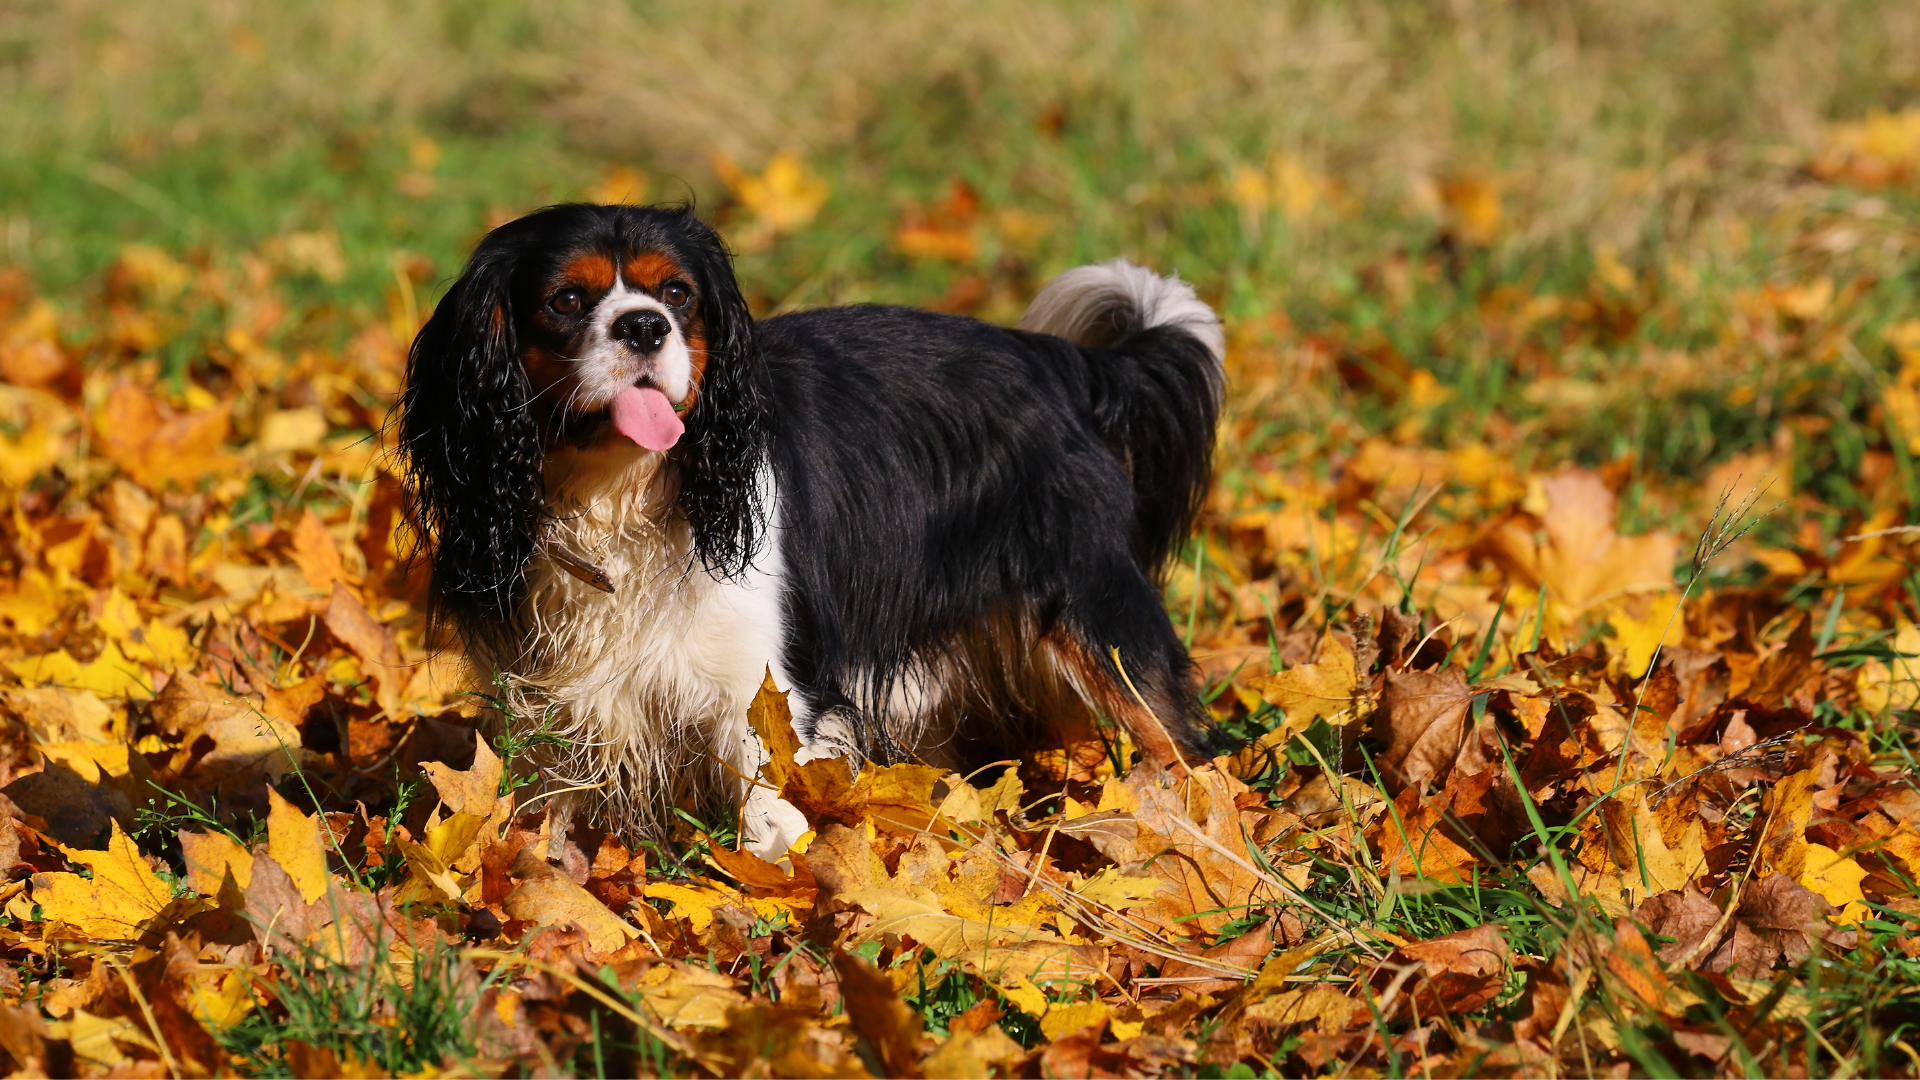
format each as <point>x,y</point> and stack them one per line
<point>1422,719</point>
<point>1320,690</point>
<point>214,862</point>
<point>772,720</point>
<point>120,902</point>
<point>474,790</point>
<point>546,897</point>
<point>157,448</point>
<point>317,556</point>
<point>293,839</point>
<point>1582,561</point>
<point>888,1025</point>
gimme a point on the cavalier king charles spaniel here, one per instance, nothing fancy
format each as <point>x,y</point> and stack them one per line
<point>944,536</point>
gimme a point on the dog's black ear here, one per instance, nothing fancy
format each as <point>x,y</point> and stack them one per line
<point>728,429</point>
<point>472,449</point>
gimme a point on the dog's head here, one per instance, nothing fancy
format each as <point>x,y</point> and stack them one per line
<point>579,326</point>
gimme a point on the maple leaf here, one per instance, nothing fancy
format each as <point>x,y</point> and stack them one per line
<point>1320,690</point>
<point>120,902</point>
<point>1464,970</point>
<point>688,997</point>
<point>781,198</point>
<point>1580,561</point>
<point>438,865</point>
<point>317,556</point>
<point>228,740</point>
<point>1688,918</point>
<point>293,839</point>
<point>475,790</point>
<point>882,1019</point>
<point>772,720</point>
<point>35,604</point>
<point>217,866</point>
<point>1422,719</point>
<point>546,897</point>
<point>157,449</point>
<point>1790,916</point>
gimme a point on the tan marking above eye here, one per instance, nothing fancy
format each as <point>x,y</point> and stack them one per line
<point>649,269</point>
<point>592,270</point>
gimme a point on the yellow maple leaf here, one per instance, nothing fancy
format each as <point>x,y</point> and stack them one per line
<point>1578,557</point>
<point>37,425</point>
<point>1894,683</point>
<point>1020,990</point>
<point>772,720</point>
<point>688,997</point>
<point>1309,692</point>
<point>620,184</point>
<point>950,936</point>
<point>293,840</point>
<point>122,899</point>
<point>220,1000</point>
<point>781,198</point>
<point>155,448</point>
<point>1838,879</point>
<point>1067,1019</point>
<point>433,862</point>
<point>1115,890</point>
<point>153,643</point>
<point>286,431</point>
<point>212,859</point>
<point>474,790</point>
<point>315,553</point>
<point>110,674</point>
<point>34,605</point>
<point>1636,638</point>
<point>692,904</point>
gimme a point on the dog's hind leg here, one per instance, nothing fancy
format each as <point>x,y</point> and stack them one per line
<point>1117,649</point>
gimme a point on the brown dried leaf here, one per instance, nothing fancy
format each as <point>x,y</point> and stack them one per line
<point>1423,720</point>
<point>889,1025</point>
<point>348,620</point>
<point>546,897</point>
<point>474,790</point>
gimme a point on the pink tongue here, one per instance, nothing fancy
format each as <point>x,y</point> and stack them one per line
<point>644,415</point>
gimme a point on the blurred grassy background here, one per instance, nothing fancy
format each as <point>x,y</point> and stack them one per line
<point>1586,222</point>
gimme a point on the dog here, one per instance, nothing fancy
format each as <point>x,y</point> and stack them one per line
<point>637,502</point>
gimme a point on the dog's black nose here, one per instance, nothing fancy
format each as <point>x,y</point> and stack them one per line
<point>644,330</point>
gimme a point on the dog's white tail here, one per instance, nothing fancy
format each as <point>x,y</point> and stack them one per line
<point>1099,304</point>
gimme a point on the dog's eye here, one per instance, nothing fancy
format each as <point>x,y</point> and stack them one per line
<point>675,293</point>
<point>567,301</point>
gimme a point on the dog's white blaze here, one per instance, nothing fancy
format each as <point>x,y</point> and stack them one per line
<point>654,679</point>
<point>610,367</point>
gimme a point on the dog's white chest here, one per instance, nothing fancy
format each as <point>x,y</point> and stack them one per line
<point>651,681</point>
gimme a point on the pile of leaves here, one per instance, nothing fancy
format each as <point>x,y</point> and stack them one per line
<point>1515,792</point>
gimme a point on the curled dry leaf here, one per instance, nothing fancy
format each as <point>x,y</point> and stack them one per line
<point>1422,719</point>
<point>546,897</point>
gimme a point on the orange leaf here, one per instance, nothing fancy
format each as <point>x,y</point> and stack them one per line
<point>156,448</point>
<point>315,553</point>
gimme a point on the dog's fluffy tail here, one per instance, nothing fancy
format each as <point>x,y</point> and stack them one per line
<point>1155,353</point>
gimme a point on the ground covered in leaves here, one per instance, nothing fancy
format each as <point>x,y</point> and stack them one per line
<point>1528,781</point>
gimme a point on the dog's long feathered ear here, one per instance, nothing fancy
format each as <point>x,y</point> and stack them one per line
<point>472,450</point>
<point>728,433</point>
